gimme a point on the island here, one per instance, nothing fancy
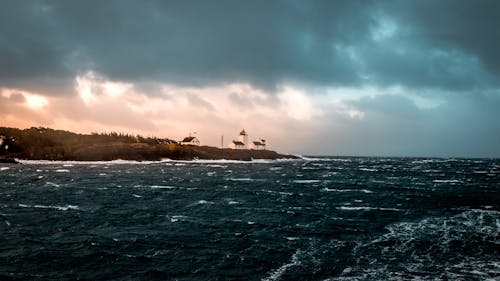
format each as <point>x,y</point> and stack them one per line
<point>39,143</point>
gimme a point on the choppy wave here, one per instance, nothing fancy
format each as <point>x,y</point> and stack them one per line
<point>461,247</point>
<point>278,273</point>
<point>307,219</point>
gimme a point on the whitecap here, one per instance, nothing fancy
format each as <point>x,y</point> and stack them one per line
<point>306,181</point>
<point>4,168</point>
<point>201,202</point>
<point>62,171</point>
<point>277,192</point>
<point>162,187</point>
<point>368,170</point>
<point>177,218</point>
<point>240,179</point>
<point>226,161</point>
<point>217,166</point>
<point>278,273</point>
<point>61,208</point>
<point>92,163</point>
<point>363,208</point>
<point>136,196</point>
<point>52,184</point>
<point>346,190</point>
<point>447,181</point>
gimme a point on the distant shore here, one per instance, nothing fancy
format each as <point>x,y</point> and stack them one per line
<point>57,145</point>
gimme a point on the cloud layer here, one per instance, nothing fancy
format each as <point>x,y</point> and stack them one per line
<point>326,77</point>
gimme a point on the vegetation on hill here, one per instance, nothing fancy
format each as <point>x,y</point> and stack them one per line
<point>38,143</point>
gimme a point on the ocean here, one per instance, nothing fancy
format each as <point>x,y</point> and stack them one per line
<point>343,218</point>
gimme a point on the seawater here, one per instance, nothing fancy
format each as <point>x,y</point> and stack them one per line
<point>309,219</point>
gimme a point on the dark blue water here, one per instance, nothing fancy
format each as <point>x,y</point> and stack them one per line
<point>322,219</point>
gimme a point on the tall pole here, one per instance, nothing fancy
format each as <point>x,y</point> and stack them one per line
<point>222,141</point>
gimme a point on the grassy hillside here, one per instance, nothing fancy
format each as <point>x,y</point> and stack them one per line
<point>48,144</point>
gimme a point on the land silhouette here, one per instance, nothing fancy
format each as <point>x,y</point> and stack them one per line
<point>39,143</point>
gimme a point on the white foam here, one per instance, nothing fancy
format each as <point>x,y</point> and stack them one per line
<point>62,171</point>
<point>162,187</point>
<point>277,192</point>
<point>368,170</point>
<point>202,202</point>
<point>165,161</point>
<point>217,166</point>
<point>321,159</point>
<point>136,196</point>
<point>364,208</point>
<point>4,168</point>
<point>240,179</point>
<point>404,239</point>
<point>61,208</point>
<point>177,218</point>
<point>226,161</point>
<point>346,190</point>
<point>52,184</point>
<point>447,181</point>
<point>278,273</point>
<point>306,181</point>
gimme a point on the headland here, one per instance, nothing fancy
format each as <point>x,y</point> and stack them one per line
<point>38,143</point>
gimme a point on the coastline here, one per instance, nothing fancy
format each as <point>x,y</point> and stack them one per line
<point>56,145</point>
<point>180,154</point>
<point>69,163</point>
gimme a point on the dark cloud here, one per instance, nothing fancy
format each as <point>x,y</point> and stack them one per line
<point>444,44</point>
<point>469,26</point>
<point>260,42</point>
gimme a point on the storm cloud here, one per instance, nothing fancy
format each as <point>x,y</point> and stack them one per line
<point>449,44</point>
<point>386,62</point>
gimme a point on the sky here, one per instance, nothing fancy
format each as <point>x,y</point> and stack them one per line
<point>367,78</point>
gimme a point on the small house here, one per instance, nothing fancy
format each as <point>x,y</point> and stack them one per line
<point>259,145</point>
<point>190,141</point>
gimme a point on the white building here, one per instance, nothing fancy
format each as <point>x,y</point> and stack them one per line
<point>241,143</point>
<point>258,145</point>
<point>190,141</point>
<point>237,145</point>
